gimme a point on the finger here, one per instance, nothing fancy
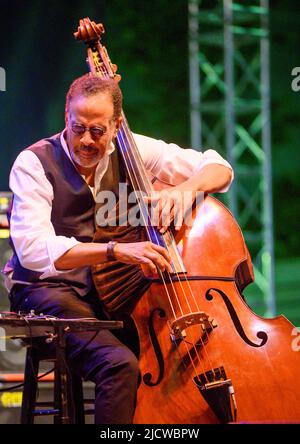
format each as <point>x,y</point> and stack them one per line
<point>162,213</point>
<point>148,272</point>
<point>161,250</point>
<point>178,220</point>
<point>153,198</point>
<point>163,260</point>
<point>160,262</point>
<point>148,264</point>
<point>166,214</point>
<point>155,209</point>
<point>167,222</point>
<point>155,214</point>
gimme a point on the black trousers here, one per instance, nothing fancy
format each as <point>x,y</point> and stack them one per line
<point>106,361</point>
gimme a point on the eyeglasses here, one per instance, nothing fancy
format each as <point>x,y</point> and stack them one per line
<point>96,131</point>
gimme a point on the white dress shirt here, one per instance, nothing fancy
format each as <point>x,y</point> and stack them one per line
<point>33,235</point>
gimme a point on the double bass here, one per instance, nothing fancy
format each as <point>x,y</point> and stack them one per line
<point>205,356</point>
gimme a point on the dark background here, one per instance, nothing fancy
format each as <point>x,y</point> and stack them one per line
<point>148,40</point>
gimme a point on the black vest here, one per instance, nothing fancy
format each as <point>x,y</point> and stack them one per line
<point>72,213</point>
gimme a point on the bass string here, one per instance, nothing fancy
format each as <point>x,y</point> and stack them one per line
<point>103,73</point>
<point>122,140</point>
<point>193,343</point>
<point>132,145</point>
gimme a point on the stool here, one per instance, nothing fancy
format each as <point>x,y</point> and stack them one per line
<point>68,402</point>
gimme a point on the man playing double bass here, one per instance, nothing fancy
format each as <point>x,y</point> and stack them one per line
<point>55,183</point>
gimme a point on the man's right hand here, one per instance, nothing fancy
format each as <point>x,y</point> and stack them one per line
<point>150,255</point>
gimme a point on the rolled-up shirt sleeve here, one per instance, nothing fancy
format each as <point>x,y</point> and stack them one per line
<point>172,164</point>
<point>32,233</point>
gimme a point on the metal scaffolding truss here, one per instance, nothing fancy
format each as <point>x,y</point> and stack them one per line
<point>230,109</point>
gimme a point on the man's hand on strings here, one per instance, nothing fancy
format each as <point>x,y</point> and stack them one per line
<point>170,206</point>
<point>150,256</point>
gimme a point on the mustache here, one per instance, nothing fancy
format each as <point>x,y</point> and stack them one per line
<point>87,148</point>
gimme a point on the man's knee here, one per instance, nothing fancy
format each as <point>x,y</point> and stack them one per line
<point>129,359</point>
<point>120,362</point>
<point>124,359</point>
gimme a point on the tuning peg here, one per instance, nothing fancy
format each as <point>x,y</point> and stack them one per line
<point>100,27</point>
<point>88,30</point>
